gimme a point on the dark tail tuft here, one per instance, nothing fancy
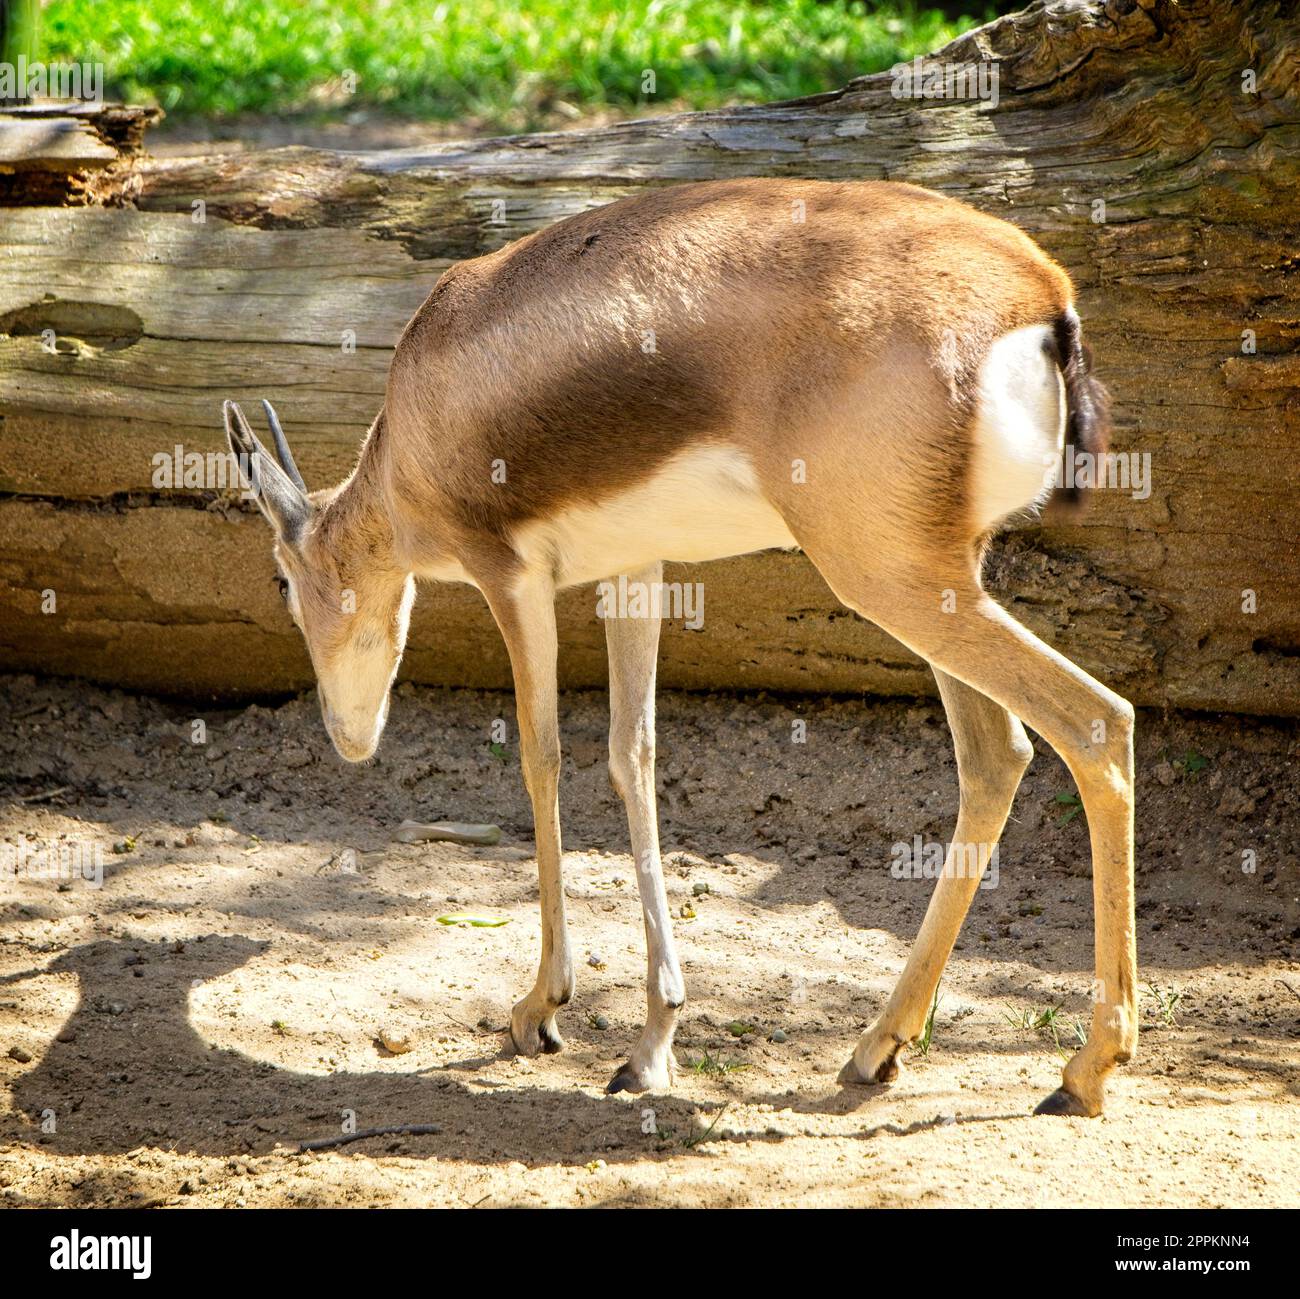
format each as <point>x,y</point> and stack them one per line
<point>1087,403</point>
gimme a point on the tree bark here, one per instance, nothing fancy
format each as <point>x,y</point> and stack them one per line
<point>1151,147</point>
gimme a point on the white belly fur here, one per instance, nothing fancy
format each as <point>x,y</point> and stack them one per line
<point>1019,426</point>
<point>703,504</point>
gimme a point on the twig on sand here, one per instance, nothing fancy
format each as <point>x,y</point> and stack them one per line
<point>47,794</point>
<point>401,1129</point>
<point>466,832</point>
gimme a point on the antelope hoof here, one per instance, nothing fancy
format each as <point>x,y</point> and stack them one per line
<point>1066,1103</point>
<point>533,1032</point>
<point>655,1077</point>
<point>875,1061</point>
<point>851,1075</point>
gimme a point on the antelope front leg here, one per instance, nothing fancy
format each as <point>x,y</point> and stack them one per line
<point>526,616</point>
<point>633,647</point>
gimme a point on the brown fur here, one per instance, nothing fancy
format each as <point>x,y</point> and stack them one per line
<point>349,547</point>
<point>766,331</point>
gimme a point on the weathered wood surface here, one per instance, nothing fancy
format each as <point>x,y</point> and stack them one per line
<point>70,152</point>
<point>157,316</point>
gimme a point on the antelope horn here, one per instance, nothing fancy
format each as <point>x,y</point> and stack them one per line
<point>282,447</point>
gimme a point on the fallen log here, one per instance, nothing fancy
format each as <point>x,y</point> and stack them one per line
<point>1151,147</point>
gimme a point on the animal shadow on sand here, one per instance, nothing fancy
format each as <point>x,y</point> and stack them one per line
<point>127,1070</point>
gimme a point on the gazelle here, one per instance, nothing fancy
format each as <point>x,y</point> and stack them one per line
<point>869,372</point>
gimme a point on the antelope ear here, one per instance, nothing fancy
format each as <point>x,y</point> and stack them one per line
<point>283,502</point>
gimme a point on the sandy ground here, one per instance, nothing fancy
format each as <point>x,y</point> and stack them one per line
<point>171,1037</point>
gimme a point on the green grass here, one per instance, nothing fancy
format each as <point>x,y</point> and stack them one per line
<point>707,1064</point>
<point>922,1043</point>
<point>1166,1004</point>
<point>1049,1021</point>
<point>504,61</point>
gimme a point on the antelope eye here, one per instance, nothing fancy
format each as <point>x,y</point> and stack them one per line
<point>283,587</point>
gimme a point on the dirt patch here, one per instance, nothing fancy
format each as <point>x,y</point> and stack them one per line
<point>171,1036</point>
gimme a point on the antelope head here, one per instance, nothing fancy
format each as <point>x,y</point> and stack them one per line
<point>350,602</point>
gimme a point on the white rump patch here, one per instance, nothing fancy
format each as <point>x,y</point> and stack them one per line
<point>1019,426</point>
<point>705,503</point>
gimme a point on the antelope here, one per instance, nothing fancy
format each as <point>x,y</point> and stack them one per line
<point>868,372</point>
